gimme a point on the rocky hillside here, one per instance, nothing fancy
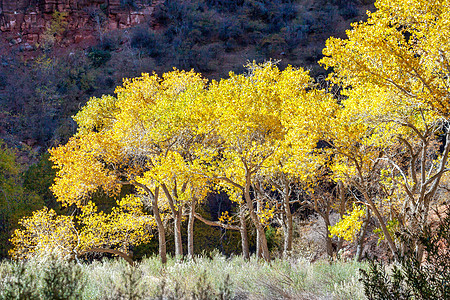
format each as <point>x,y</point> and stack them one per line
<point>25,21</point>
<point>55,54</point>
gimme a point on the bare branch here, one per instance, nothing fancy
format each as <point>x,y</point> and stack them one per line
<point>214,223</point>
<point>112,251</point>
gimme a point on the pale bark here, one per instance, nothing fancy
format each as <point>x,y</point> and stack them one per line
<point>215,223</point>
<point>191,229</point>
<point>177,214</point>
<point>255,219</point>
<point>361,237</point>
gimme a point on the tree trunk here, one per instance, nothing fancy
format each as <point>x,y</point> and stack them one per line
<point>191,229</point>
<point>177,214</point>
<point>259,227</point>
<point>243,231</point>
<point>258,238</point>
<point>289,228</point>
<point>161,229</point>
<point>361,237</point>
<point>342,202</point>
<point>328,240</point>
<point>380,219</point>
<point>177,233</point>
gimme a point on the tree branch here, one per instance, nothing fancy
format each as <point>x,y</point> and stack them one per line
<point>112,251</point>
<point>217,224</point>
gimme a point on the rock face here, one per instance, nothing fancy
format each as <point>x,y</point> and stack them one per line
<point>26,20</point>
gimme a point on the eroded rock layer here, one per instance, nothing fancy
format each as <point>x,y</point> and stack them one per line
<point>26,20</point>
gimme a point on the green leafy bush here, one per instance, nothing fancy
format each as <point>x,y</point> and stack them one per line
<point>60,280</point>
<point>98,57</point>
<point>410,278</point>
<point>49,278</point>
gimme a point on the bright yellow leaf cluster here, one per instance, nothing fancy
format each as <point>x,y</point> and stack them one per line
<point>46,232</point>
<point>350,224</point>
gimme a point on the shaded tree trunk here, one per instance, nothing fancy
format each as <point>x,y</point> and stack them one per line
<point>161,230</point>
<point>177,234</point>
<point>159,224</point>
<point>191,229</point>
<point>289,228</point>
<point>328,240</point>
<point>177,215</point>
<point>342,203</point>
<point>244,234</point>
<point>258,237</point>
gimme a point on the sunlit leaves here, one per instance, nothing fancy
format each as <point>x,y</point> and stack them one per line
<point>350,224</point>
<point>403,47</point>
<point>67,236</point>
<point>44,233</point>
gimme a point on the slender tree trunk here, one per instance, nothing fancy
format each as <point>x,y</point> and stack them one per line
<point>243,231</point>
<point>259,227</point>
<point>289,228</point>
<point>361,237</point>
<point>328,240</point>
<point>326,219</point>
<point>380,219</point>
<point>177,233</point>
<point>342,202</point>
<point>258,237</point>
<point>177,214</point>
<point>423,223</point>
<point>191,229</point>
<point>160,226</point>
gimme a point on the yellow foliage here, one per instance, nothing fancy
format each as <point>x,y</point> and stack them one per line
<point>266,214</point>
<point>44,233</point>
<point>402,48</point>
<point>225,218</point>
<point>66,236</point>
<point>349,225</point>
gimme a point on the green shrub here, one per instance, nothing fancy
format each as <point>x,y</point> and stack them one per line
<point>60,280</point>
<point>216,277</point>
<point>17,283</point>
<point>410,278</point>
<point>46,278</point>
<point>98,57</point>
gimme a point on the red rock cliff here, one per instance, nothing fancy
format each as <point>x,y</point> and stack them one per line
<point>26,20</point>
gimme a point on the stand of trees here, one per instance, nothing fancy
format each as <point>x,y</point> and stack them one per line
<point>256,136</point>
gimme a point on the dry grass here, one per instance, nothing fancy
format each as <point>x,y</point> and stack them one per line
<point>202,278</point>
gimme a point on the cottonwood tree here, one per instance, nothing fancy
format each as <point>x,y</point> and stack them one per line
<point>45,232</point>
<point>255,121</point>
<point>395,68</point>
<point>141,138</point>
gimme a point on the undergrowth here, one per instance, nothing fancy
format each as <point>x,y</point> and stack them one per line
<point>200,278</point>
